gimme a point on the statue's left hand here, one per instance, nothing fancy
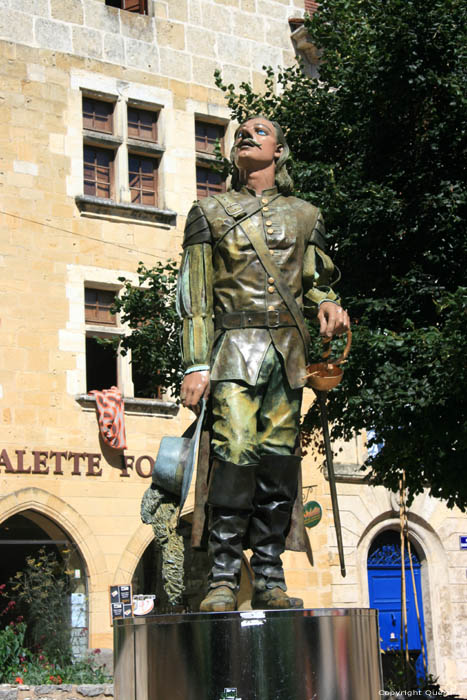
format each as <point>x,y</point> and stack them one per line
<point>333,319</point>
<point>195,386</point>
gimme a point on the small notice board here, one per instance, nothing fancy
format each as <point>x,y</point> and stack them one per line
<point>121,602</point>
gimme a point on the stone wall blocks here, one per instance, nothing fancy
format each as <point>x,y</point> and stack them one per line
<point>91,691</point>
<point>216,16</point>
<point>248,5</point>
<point>32,7</point>
<point>175,64</point>
<point>99,16</point>
<point>67,10</point>
<point>248,27</point>
<point>289,58</point>
<point>178,10</point>
<point>114,48</point>
<point>36,73</point>
<point>46,689</point>
<point>140,54</point>
<point>135,26</point>
<point>259,81</point>
<point>87,42</point>
<point>16,26</point>
<point>231,74</point>
<point>278,34</point>
<point>203,70</point>
<point>234,50</point>
<point>53,35</point>
<point>274,10</point>
<point>343,594</point>
<point>201,42</point>
<point>160,9</point>
<point>195,15</point>
<point>265,56</point>
<point>171,34</point>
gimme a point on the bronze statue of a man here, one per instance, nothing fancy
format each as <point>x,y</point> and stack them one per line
<point>254,261</point>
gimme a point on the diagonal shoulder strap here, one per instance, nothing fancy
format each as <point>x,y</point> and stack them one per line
<point>234,209</point>
<point>263,253</point>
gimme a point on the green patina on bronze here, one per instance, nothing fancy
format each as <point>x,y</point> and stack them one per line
<point>255,412</point>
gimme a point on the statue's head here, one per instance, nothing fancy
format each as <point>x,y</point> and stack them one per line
<point>275,149</point>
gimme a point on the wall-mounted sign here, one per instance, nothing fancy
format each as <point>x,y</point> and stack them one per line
<point>58,463</point>
<point>312,513</point>
<point>462,541</point>
<point>121,604</point>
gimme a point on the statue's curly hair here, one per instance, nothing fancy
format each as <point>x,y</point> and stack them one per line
<point>283,180</point>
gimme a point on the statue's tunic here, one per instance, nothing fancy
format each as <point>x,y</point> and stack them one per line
<point>222,274</point>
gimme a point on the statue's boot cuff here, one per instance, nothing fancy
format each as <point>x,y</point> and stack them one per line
<point>221,598</point>
<point>231,485</point>
<point>274,599</point>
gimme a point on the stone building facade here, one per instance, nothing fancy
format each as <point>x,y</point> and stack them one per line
<point>104,115</point>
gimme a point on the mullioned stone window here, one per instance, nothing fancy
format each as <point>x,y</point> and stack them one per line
<point>121,158</point>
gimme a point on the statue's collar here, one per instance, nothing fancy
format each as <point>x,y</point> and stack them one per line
<point>271,191</point>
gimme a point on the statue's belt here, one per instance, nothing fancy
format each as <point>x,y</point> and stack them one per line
<point>253,319</point>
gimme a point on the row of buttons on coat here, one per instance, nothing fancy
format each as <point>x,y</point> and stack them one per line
<point>271,280</point>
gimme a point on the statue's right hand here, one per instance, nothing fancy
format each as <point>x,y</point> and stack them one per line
<point>195,386</point>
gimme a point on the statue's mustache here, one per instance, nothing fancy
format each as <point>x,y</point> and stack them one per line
<point>248,142</point>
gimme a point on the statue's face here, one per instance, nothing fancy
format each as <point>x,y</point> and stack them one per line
<point>256,145</point>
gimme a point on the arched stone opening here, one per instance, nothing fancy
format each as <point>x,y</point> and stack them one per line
<point>59,512</point>
<point>433,566</point>
<point>29,534</point>
<point>389,575</point>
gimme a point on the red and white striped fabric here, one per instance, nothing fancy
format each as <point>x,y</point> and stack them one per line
<point>110,411</point>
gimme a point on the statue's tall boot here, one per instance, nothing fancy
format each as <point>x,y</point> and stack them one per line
<point>276,489</point>
<point>230,500</point>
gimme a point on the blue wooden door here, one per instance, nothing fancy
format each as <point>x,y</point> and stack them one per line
<point>384,583</point>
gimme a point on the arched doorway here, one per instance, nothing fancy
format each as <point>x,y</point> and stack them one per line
<point>385,591</point>
<point>24,536</point>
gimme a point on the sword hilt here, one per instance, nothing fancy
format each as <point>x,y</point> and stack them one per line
<point>327,350</point>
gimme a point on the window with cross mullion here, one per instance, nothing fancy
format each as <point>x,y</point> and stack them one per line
<point>142,124</point>
<point>143,179</point>
<point>98,171</point>
<point>98,304</point>
<point>98,115</point>
<point>206,136</point>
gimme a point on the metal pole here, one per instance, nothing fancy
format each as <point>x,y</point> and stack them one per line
<point>332,478</point>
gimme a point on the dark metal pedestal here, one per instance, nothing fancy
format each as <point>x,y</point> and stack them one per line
<point>329,654</point>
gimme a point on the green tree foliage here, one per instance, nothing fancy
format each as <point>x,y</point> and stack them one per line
<point>149,310</point>
<point>379,144</point>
